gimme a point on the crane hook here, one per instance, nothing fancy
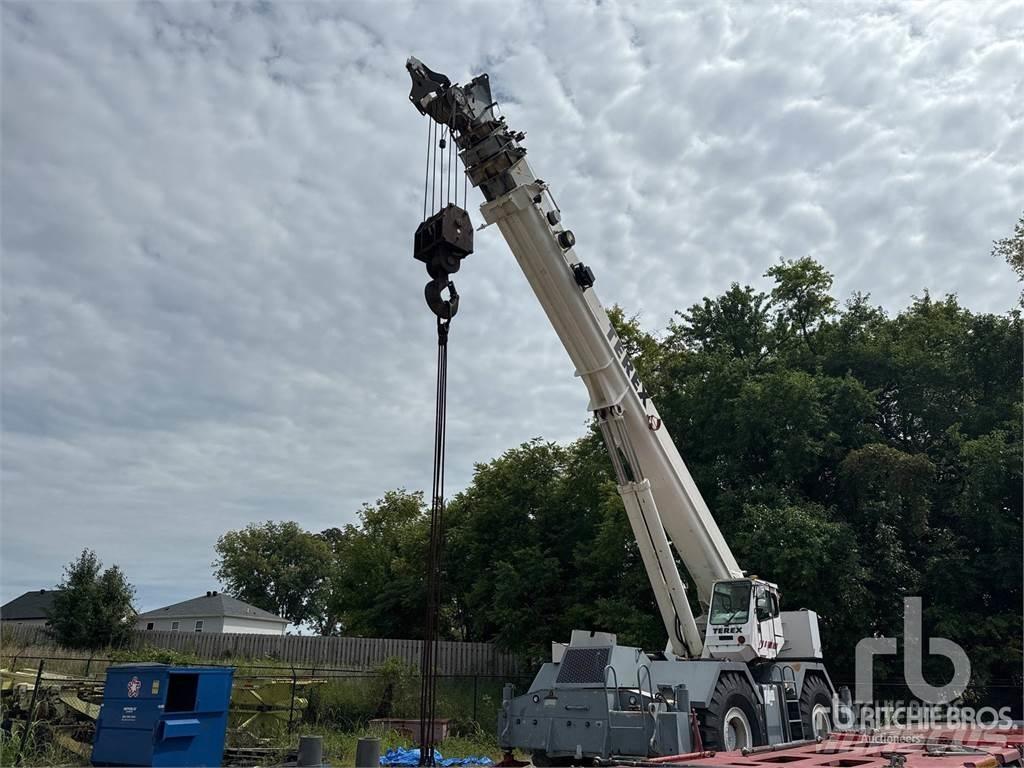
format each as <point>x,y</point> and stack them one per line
<point>444,308</point>
<point>441,243</point>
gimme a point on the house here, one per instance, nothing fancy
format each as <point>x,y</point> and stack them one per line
<point>32,609</point>
<point>213,612</point>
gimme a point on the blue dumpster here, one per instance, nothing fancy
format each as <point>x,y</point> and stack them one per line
<point>158,714</point>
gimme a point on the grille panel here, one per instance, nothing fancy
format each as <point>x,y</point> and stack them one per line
<point>583,665</point>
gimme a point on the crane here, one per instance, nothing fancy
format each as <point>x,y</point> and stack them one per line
<point>754,674</point>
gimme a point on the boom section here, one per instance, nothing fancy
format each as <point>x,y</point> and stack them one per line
<point>663,504</point>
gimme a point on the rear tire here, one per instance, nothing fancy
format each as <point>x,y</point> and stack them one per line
<point>816,707</point>
<point>732,719</point>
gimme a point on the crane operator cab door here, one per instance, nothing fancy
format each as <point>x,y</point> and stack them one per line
<point>744,621</point>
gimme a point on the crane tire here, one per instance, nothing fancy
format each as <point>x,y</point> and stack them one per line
<point>732,718</point>
<point>816,707</point>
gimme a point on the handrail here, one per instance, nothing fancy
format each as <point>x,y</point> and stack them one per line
<point>607,668</point>
<point>651,706</point>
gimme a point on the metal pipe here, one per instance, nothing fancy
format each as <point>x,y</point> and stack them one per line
<point>698,740</point>
<point>777,747</point>
<point>988,762</point>
<point>291,707</point>
<point>476,687</point>
<point>680,758</point>
<point>655,762</point>
<point>31,712</point>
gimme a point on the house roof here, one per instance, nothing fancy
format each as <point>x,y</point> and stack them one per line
<point>36,604</point>
<point>213,604</point>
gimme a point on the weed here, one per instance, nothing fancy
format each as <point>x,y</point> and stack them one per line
<point>39,748</point>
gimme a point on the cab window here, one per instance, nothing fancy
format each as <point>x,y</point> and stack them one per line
<point>763,605</point>
<point>730,602</point>
<point>766,604</point>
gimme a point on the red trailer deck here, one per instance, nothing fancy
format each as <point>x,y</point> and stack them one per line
<point>891,748</point>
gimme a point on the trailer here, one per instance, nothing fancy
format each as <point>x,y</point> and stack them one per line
<point>884,748</point>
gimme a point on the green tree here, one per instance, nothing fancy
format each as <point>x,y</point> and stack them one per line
<point>851,455</point>
<point>378,586</point>
<point>737,325</point>
<point>512,508</point>
<point>279,567</point>
<point>817,562</point>
<point>801,294</point>
<point>643,349</point>
<point>93,607</point>
<point>904,430</point>
<point>1012,248</point>
<point>611,592</point>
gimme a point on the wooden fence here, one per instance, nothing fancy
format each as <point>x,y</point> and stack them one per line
<point>358,653</point>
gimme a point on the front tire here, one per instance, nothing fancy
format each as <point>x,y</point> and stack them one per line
<point>816,708</point>
<point>732,718</point>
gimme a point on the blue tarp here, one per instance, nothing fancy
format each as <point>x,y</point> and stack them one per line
<point>411,757</point>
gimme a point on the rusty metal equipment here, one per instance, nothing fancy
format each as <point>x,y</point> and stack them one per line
<point>50,706</point>
<point>63,708</point>
<point>263,706</point>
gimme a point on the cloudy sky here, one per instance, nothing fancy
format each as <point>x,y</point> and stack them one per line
<point>211,315</point>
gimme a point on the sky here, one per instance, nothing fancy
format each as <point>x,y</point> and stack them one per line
<point>211,314</point>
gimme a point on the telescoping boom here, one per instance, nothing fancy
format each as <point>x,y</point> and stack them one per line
<point>663,504</point>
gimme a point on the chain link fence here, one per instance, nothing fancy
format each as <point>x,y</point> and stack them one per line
<point>272,695</point>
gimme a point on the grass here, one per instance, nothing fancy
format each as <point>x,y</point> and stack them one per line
<point>340,745</point>
<point>39,749</point>
<point>339,709</point>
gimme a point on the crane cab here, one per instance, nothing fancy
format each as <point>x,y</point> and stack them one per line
<point>744,621</point>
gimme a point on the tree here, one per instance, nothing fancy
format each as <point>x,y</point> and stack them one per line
<point>378,586</point>
<point>93,607</point>
<point>801,294</point>
<point>611,592</point>
<point>326,618</point>
<point>643,349</point>
<point>512,508</point>
<point>817,562</point>
<point>737,325</point>
<point>1012,248</point>
<point>278,567</point>
<point>850,455</point>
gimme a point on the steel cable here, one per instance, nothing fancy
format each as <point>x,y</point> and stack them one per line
<point>426,173</point>
<point>428,665</point>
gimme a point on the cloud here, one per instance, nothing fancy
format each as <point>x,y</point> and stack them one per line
<point>210,313</point>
